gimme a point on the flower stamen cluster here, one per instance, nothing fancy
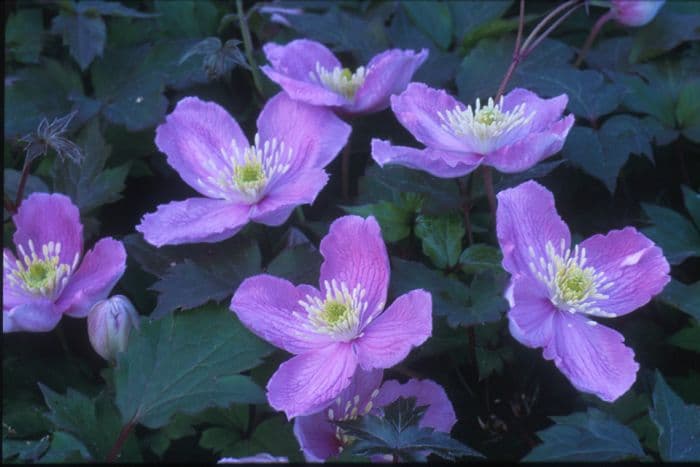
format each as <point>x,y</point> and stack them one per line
<point>340,80</point>
<point>572,286</point>
<point>339,313</point>
<point>39,274</point>
<point>350,411</point>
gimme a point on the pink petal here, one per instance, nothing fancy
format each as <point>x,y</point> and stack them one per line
<point>309,381</point>
<point>354,253</point>
<point>387,73</point>
<point>44,218</point>
<point>97,274</point>
<point>269,307</point>
<point>417,109</point>
<point>387,340</point>
<point>193,220</point>
<point>38,315</point>
<point>192,138</point>
<point>526,219</point>
<point>315,134</point>
<point>316,437</point>
<point>633,263</point>
<point>437,162</point>
<point>12,295</point>
<point>592,356</point>
<point>546,111</point>
<point>440,414</point>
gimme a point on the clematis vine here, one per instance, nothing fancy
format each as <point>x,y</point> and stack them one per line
<point>242,182</point>
<point>511,135</point>
<point>556,290</point>
<point>635,12</point>
<point>49,276</point>
<point>338,327</point>
<point>321,439</point>
<point>310,73</point>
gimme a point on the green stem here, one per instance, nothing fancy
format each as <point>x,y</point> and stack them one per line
<point>248,44</point>
<point>345,172</point>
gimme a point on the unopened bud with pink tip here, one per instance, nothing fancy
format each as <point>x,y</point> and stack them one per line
<point>109,325</point>
<point>635,12</point>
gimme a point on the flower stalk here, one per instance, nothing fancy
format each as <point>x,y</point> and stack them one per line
<point>595,30</point>
<point>248,44</point>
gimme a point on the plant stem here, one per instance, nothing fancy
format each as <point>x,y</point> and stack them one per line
<point>22,182</point>
<point>9,205</point>
<point>551,15</point>
<point>472,349</point>
<point>248,44</point>
<point>345,172</point>
<point>548,31</point>
<point>121,439</point>
<point>300,215</point>
<point>490,193</point>
<point>591,37</point>
<point>466,206</point>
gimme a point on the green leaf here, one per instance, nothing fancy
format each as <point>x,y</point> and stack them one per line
<point>442,238</point>
<point>692,204</point>
<point>34,184</point>
<point>688,110</point>
<point>185,363</point>
<point>687,338</point>
<point>274,436</point>
<point>299,264</point>
<point>88,183</point>
<point>395,218</point>
<point>683,297</point>
<point>397,434</point>
<point>603,153</point>
<point>23,36</point>
<point>468,17</point>
<point>433,18</point>
<point>591,436</point>
<point>65,448</point>
<point>109,8</point>
<point>665,32</point>
<point>95,422</point>
<point>480,257</point>
<point>84,35</point>
<point>215,276</point>
<point>676,235</point>
<point>187,18</point>
<point>679,430</point>
<point>24,450</point>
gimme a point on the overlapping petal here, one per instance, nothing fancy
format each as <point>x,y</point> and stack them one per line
<point>44,218</point>
<point>389,338</point>
<point>440,163</point>
<point>440,414</point>
<point>95,278</point>
<point>531,315</point>
<point>193,220</point>
<point>354,253</point>
<point>35,315</point>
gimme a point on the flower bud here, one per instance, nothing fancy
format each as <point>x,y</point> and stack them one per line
<point>109,324</point>
<point>635,12</point>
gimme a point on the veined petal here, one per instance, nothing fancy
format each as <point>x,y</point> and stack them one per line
<point>95,278</point>
<point>592,356</point>
<point>526,219</point>
<point>193,138</point>
<point>546,111</point>
<point>315,134</point>
<point>44,218</point>
<point>309,381</point>
<point>387,340</point>
<point>12,295</point>
<point>38,315</point>
<point>193,220</point>
<point>269,307</point>
<point>440,414</point>
<point>354,253</point>
<point>387,73</point>
<point>437,162</point>
<point>528,151</point>
<point>634,266</point>
<point>531,314</point>
<point>417,109</point>
<point>300,187</point>
<point>316,437</point>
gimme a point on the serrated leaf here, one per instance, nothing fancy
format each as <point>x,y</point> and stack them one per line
<point>590,436</point>
<point>24,450</point>
<point>84,35</point>
<point>676,235</point>
<point>299,264</point>
<point>683,297</point>
<point>185,363</point>
<point>665,32</point>
<point>274,436</point>
<point>679,430</point>
<point>395,219</point>
<point>433,18</point>
<point>442,238</point>
<point>65,448</point>
<point>480,257</point>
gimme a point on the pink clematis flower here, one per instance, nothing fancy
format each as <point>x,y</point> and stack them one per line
<point>321,439</point>
<point>511,135</point>
<point>343,325</point>
<point>556,289</point>
<point>50,277</point>
<point>635,12</point>
<point>240,182</point>
<point>310,73</point>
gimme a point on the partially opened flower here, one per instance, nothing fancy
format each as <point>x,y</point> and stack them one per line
<point>510,135</point>
<point>556,290</point>
<point>320,438</point>
<point>240,182</point>
<point>635,12</point>
<point>310,73</point>
<point>343,325</point>
<point>50,277</point>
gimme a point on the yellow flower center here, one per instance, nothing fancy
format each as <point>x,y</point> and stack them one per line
<point>39,273</point>
<point>339,313</point>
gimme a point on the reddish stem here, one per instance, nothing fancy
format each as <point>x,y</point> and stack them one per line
<point>121,439</point>
<point>591,37</point>
<point>490,193</point>
<point>22,182</point>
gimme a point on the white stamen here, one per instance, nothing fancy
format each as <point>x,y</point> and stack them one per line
<point>340,80</point>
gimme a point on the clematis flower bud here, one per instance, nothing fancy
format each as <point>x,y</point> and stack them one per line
<point>635,12</point>
<point>109,325</point>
